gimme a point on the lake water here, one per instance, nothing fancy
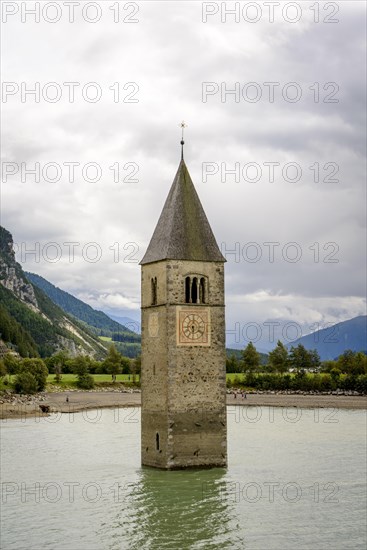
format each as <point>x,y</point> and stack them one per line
<point>296,479</point>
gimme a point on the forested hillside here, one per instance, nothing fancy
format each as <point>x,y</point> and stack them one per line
<point>78,308</point>
<point>30,323</point>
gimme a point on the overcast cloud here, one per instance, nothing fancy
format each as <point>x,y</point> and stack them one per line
<point>169,53</point>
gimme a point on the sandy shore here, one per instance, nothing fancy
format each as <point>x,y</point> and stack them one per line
<point>79,401</point>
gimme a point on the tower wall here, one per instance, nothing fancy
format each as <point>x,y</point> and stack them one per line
<point>154,363</point>
<point>183,384</point>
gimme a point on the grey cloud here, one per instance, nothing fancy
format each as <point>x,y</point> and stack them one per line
<point>169,54</point>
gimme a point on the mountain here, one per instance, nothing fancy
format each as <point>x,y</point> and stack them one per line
<point>77,308</point>
<point>333,341</point>
<point>128,322</point>
<point>30,323</point>
<point>101,325</point>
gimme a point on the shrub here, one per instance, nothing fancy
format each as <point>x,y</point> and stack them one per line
<point>38,369</point>
<point>85,381</point>
<point>237,382</point>
<point>315,382</point>
<point>285,382</point>
<point>3,371</point>
<point>361,384</point>
<point>251,380</point>
<point>25,382</point>
<point>326,382</point>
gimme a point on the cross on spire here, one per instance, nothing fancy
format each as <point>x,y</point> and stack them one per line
<point>183,125</point>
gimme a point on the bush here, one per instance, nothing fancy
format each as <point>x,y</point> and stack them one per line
<point>326,383</point>
<point>25,382</point>
<point>251,381</point>
<point>349,382</point>
<point>361,384</point>
<point>38,369</point>
<point>3,371</point>
<point>237,382</point>
<point>85,381</point>
<point>285,382</point>
<point>315,382</point>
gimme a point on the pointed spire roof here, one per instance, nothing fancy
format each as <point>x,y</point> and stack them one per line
<point>183,231</point>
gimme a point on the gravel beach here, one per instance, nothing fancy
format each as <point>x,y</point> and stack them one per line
<point>21,407</point>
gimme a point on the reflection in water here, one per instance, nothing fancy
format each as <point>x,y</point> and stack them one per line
<point>176,509</point>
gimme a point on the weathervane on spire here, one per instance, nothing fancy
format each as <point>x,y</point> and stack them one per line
<point>183,125</point>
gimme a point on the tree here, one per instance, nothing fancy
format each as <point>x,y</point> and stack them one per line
<point>278,358</point>
<point>315,359</point>
<point>360,363</point>
<point>84,379</point>
<point>57,362</point>
<point>3,371</point>
<point>300,358</point>
<point>113,362</point>
<point>11,363</point>
<point>37,368</point>
<point>352,362</point>
<point>136,368</point>
<point>232,364</point>
<point>25,382</point>
<point>126,365</point>
<point>328,365</point>
<point>251,358</point>
<point>137,364</point>
<point>346,360</point>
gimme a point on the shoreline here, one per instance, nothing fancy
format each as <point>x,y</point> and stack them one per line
<point>88,400</point>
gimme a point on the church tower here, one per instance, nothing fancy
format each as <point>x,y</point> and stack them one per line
<point>183,375</point>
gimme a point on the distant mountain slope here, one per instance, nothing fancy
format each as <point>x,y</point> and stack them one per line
<point>128,322</point>
<point>30,322</point>
<point>333,341</point>
<point>76,307</point>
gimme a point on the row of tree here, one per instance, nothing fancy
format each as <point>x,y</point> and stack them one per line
<point>298,359</point>
<point>301,381</point>
<point>31,374</point>
<point>349,371</point>
<point>115,363</point>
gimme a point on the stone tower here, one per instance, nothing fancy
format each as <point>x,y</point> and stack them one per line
<point>183,377</point>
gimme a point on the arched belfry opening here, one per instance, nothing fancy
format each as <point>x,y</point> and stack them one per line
<point>187,290</point>
<point>196,290</point>
<point>202,292</point>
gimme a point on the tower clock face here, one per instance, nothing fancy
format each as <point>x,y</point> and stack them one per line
<point>193,326</point>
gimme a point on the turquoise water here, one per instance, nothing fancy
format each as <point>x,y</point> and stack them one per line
<point>296,479</point>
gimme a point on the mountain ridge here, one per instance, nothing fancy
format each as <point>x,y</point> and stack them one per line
<point>76,307</point>
<point>30,323</point>
<point>333,341</point>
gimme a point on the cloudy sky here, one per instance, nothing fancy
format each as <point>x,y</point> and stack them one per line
<point>274,94</point>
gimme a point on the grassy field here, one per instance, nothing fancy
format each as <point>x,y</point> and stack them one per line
<point>69,380</point>
<point>232,376</point>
